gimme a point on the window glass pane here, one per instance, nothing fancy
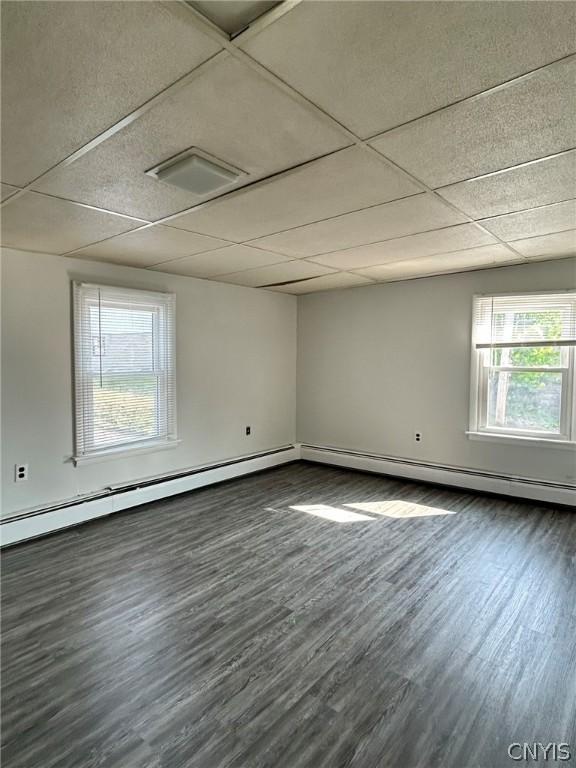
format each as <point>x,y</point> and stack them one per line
<point>529,357</point>
<point>125,409</point>
<point>525,400</point>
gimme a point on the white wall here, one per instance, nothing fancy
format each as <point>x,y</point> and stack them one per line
<point>377,363</point>
<point>236,366</point>
<point>374,365</point>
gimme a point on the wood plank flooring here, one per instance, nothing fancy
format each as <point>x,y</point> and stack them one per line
<point>227,629</point>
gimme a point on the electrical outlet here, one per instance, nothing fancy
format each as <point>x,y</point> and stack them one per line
<point>418,437</point>
<point>248,430</point>
<point>20,473</point>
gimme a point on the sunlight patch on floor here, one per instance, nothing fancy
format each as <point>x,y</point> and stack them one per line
<point>332,513</point>
<point>397,508</point>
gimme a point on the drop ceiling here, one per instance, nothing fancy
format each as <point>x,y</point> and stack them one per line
<point>377,141</point>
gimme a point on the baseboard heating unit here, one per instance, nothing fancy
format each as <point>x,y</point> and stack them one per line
<point>461,477</point>
<point>31,523</point>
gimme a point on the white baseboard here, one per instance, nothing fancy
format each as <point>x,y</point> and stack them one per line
<point>39,522</point>
<point>466,479</point>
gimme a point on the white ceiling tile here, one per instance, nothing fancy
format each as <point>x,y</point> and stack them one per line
<point>485,256</point>
<point>558,245</point>
<point>536,221</point>
<point>546,181</point>
<point>381,222</point>
<point>278,273</point>
<point>374,65</point>
<point>342,182</point>
<point>7,190</point>
<point>411,247</point>
<point>234,258</point>
<point>528,119</point>
<point>325,283</point>
<point>49,225</point>
<point>70,70</point>
<point>230,112</point>
<point>149,246</point>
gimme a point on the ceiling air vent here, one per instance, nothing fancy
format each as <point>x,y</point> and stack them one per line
<point>196,172</point>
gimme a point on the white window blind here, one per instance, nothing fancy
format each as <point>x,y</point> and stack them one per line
<point>534,320</point>
<point>523,365</point>
<point>124,368</point>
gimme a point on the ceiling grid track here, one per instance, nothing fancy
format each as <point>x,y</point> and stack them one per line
<point>230,48</point>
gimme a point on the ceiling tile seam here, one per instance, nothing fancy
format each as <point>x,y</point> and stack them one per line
<point>367,147</point>
<point>360,142</point>
<point>512,262</point>
<point>251,240</point>
<point>527,210</point>
<point>220,37</point>
<point>10,199</point>
<point>545,259</point>
<point>212,30</point>
<point>264,21</point>
<point>451,271</point>
<point>355,274</point>
<point>428,231</point>
<point>211,251</point>
<point>334,271</point>
<point>289,282</point>
<point>547,234</point>
<point>371,242</point>
<point>234,50</point>
<point>229,47</point>
<point>424,189</point>
<point>507,168</point>
<point>90,207</point>
<point>261,182</point>
<point>204,24</point>
<point>149,225</point>
<point>357,140</point>
<point>459,271</point>
<point>477,268</point>
<point>16,193</point>
<point>431,191</point>
<point>477,96</point>
<point>30,250</point>
<point>251,269</point>
<point>414,258</point>
<point>119,125</point>
<point>165,220</point>
<point>267,179</point>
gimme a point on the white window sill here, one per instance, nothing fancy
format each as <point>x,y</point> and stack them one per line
<point>121,452</point>
<point>543,442</point>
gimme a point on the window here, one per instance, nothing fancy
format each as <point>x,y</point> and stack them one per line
<point>523,365</point>
<point>124,369</point>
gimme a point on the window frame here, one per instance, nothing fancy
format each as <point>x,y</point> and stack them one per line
<point>480,375</point>
<point>159,303</point>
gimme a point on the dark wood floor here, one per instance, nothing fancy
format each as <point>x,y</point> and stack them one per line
<point>225,629</point>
